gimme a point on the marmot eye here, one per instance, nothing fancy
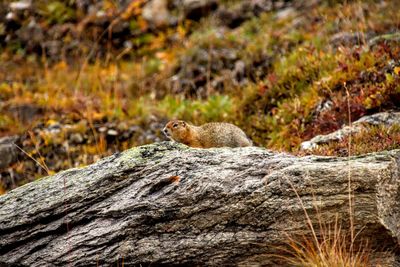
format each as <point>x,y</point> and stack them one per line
<point>175,125</point>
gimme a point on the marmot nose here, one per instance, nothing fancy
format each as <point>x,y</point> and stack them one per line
<point>165,130</point>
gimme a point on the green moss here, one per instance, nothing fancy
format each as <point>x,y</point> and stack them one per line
<point>137,155</point>
<point>152,65</point>
<point>215,108</point>
<point>56,12</point>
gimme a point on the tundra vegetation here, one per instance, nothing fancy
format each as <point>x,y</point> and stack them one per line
<point>80,80</point>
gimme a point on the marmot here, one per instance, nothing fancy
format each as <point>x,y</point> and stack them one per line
<point>215,134</point>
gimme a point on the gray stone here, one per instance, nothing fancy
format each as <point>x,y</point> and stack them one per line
<point>382,118</point>
<point>112,132</point>
<point>102,129</point>
<point>388,119</point>
<point>196,9</point>
<point>239,72</point>
<point>11,16</point>
<point>8,151</point>
<point>169,205</point>
<point>347,38</point>
<point>286,13</point>
<point>76,138</point>
<point>20,5</point>
<point>156,13</point>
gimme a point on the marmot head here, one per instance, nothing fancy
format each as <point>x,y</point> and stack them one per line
<point>176,130</point>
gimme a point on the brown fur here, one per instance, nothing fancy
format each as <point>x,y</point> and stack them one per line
<point>215,134</point>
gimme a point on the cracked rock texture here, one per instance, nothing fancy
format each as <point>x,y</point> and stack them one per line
<point>168,205</point>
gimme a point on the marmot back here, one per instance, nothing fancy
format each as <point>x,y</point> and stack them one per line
<point>215,134</point>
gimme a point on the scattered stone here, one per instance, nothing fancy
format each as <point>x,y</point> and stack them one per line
<point>260,6</point>
<point>193,74</point>
<point>387,119</point>
<point>128,44</point>
<point>63,39</point>
<point>239,71</point>
<point>11,16</point>
<point>217,84</point>
<point>134,128</point>
<point>54,131</point>
<point>196,9</point>
<point>299,22</point>
<point>8,151</point>
<point>156,13</point>
<point>231,18</point>
<point>54,128</point>
<point>324,106</point>
<point>391,37</point>
<point>120,27</point>
<point>102,129</point>
<point>20,5</point>
<point>112,132</point>
<point>129,133</point>
<point>101,14</point>
<point>76,138</point>
<point>391,65</point>
<point>347,39</point>
<point>60,145</point>
<point>25,112</point>
<point>286,13</point>
<point>332,137</point>
<point>384,118</point>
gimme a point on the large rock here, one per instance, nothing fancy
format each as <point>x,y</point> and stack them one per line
<point>168,205</point>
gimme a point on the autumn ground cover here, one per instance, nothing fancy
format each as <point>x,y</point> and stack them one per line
<point>283,76</point>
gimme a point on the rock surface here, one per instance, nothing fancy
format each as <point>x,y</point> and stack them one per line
<point>168,205</point>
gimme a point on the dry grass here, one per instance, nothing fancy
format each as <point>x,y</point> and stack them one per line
<point>333,249</point>
<point>331,245</point>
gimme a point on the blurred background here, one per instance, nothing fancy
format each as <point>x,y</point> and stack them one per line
<point>82,79</point>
